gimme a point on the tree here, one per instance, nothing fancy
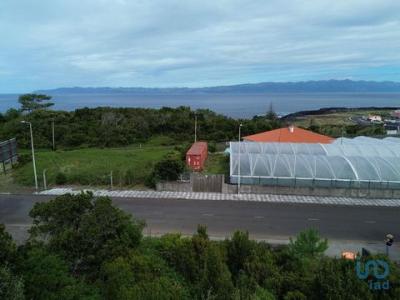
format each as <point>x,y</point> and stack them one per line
<point>215,276</point>
<point>11,286</point>
<point>308,244</point>
<point>32,102</point>
<point>200,262</point>
<point>7,247</point>
<point>46,277</point>
<point>84,230</point>
<point>336,279</point>
<point>296,295</point>
<point>262,294</point>
<point>11,114</point>
<point>139,276</point>
<point>239,249</point>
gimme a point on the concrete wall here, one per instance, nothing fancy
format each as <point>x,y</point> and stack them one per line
<point>215,181</point>
<point>174,186</point>
<point>309,191</point>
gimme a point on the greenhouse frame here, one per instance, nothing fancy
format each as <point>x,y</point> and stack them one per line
<point>361,162</point>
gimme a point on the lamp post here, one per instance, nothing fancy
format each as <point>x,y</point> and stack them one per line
<point>240,127</point>
<point>33,153</point>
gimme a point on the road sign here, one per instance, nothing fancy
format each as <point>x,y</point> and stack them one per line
<point>389,240</point>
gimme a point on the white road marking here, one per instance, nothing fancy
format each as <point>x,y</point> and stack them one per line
<point>370,222</point>
<point>208,215</point>
<point>258,217</point>
<point>313,219</point>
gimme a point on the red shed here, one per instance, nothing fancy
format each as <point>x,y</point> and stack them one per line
<point>197,155</point>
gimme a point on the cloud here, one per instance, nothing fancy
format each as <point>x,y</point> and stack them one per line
<point>52,43</point>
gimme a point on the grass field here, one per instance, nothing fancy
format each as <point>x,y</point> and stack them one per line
<point>93,166</point>
<point>340,118</point>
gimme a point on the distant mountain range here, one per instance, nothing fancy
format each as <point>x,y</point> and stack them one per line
<point>322,86</point>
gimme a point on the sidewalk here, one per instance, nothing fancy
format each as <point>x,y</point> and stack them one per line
<point>231,197</point>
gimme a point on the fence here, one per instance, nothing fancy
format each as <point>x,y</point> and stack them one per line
<point>197,183</point>
<point>8,153</point>
<point>207,183</point>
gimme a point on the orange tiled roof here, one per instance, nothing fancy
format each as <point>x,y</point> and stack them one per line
<point>289,135</point>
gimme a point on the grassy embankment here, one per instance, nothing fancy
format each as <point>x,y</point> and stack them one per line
<point>92,166</point>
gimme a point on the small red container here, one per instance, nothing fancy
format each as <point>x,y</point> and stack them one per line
<point>197,155</point>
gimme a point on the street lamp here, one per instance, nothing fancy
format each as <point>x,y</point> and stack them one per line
<point>240,127</point>
<point>33,153</point>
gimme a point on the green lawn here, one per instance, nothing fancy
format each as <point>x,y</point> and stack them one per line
<point>92,166</point>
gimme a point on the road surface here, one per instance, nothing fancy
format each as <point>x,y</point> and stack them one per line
<point>263,220</point>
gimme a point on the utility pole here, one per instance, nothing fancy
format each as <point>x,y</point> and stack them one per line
<point>240,127</point>
<point>195,128</point>
<point>33,153</point>
<point>52,130</point>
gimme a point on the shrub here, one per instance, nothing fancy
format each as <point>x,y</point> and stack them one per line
<point>23,159</point>
<point>167,169</point>
<point>61,178</point>
<point>212,147</point>
<point>182,149</point>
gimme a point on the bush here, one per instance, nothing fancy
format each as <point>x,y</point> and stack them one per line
<point>61,178</point>
<point>167,169</point>
<point>23,159</point>
<point>212,147</point>
<point>182,149</point>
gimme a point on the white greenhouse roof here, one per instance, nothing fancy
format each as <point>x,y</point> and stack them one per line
<point>359,159</point>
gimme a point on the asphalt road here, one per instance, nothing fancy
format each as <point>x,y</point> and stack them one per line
<point>263,220</point>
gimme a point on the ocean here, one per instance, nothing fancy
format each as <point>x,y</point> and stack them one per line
<point>233,105</point>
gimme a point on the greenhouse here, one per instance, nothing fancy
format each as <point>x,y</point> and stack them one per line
<point>360,162</point>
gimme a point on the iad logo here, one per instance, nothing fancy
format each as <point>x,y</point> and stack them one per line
<point>379,269</point>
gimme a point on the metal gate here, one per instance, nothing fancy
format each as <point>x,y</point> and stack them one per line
<point>206,183</point>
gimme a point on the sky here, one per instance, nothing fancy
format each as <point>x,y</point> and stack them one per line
<point>169,43</point>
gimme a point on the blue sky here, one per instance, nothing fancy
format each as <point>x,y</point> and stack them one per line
<point>163,43</point>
